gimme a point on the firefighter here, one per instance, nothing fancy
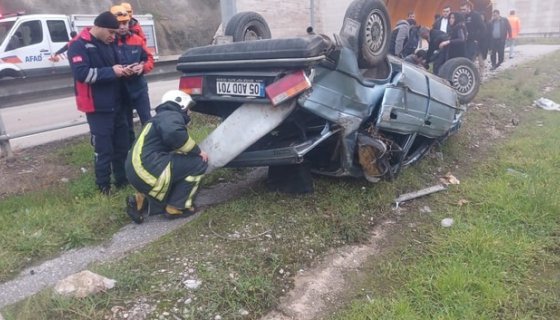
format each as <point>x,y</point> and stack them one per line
<point>165,165</point>
<point>135,55</point>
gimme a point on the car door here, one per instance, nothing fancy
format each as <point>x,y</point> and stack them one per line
<point>59,36</point>
<point>30,49</point>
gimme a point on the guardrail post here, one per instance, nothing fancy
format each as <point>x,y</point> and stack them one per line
<point>5,148</point>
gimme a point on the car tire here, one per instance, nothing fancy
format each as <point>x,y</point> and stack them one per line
<point>463,75</point>
<point>374,31</point>
<point>247,26</point>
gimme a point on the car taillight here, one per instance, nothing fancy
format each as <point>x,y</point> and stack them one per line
<point>191,85</point>
<point>287,87</point>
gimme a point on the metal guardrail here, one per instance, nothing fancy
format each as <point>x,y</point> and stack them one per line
<point>14,92</point>
<point>23,91</point>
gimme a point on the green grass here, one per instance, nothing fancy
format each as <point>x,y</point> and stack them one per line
<point>246,252</point>
<point>41,224</point>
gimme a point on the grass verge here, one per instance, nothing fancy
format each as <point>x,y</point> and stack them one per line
<point>38,225</point>
<point>501,258</point>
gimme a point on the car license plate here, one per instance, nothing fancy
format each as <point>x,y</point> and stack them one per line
<point>241,87</point>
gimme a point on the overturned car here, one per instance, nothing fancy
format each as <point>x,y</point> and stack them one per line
<point>333,106</point>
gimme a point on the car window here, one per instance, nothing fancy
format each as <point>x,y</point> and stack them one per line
<point>28,33</point>
<point>57,30</point>
<point>5,29</point>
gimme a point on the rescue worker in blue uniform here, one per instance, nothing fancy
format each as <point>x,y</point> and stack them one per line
<point>133,52</point>
<point>97,72</point>
<point>165,165</point>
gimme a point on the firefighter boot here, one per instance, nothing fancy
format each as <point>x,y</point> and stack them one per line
<point>136,207</point>
<point>172,213</point>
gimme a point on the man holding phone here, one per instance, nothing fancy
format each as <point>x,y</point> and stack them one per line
<point>137,60</point>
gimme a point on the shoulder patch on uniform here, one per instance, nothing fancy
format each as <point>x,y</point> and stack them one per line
<point>77,59</point>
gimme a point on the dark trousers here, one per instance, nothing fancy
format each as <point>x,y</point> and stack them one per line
<point>186,172</point>
<point>142,105</point>
<point>497,48</point>
<point>440,59</point>
<point>471,50</point>
<point>109,138</point>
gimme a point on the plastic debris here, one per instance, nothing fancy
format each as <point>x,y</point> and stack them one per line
<point>547,104</point>
<point>449,179</point>
<point>418,194</point>
<point>447,222</point>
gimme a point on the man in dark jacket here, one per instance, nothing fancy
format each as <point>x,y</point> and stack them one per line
<point>476,30</point>
<point>499,30</point>
<point>438,43</point>
<point>96,70</point>
<point>165,165</point>
<point>135,55</point>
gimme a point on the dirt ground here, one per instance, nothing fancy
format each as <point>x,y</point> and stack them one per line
<point>315,289</point>
<point>34,169</point>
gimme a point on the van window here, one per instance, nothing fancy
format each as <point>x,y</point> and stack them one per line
<point>27,33</point>
<point>57,30</point>
<point>5,29</point>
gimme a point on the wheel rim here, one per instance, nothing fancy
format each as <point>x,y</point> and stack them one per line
<point>375,32</point>
<point>250,34</point>
<point>463,80</point>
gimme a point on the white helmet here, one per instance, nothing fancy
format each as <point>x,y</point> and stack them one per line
<point>179,97</point>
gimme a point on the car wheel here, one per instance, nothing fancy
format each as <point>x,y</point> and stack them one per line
<point>247,26</point>
<point>463,75</point>
<point>374,31</point>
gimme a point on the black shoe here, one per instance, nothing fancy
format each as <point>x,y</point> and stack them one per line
<point>121,184</point>
<point>185,213</point>
<point>132,211</point>
<point>104,190</point>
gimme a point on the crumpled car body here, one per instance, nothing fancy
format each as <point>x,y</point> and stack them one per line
<point>309,101</point>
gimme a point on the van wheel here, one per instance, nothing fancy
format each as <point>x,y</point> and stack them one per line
<point>463,75</point>
<point>374,31</point>
<point>247,26</point>
<point>10,73</point>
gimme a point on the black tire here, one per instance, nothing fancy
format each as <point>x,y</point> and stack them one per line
<point>247,26</point>
<point>10,73</point>
<point>375,31</point>
<point>463,75</point>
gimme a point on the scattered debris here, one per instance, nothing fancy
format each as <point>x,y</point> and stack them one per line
<point>515,122</point>
<point>84,170</point>
<point>65,180</point>
<point>83,284</point>
<point>243,312</point>
<point>447,222</point>
<point>462,202</point>
<point>236,237</point>
<point>425,209</point>
<point>192,284</point>
<point>547,104</point>
<point>449,179</point>
<point>418,194</point>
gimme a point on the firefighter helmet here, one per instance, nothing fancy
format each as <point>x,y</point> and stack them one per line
<point>179,97</point>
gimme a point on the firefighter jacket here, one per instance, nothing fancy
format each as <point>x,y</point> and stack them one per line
<point>95,83</point>
<point>148,164</point>
<point>132,49</point>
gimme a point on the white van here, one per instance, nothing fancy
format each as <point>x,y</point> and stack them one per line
<point>28,41</point>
